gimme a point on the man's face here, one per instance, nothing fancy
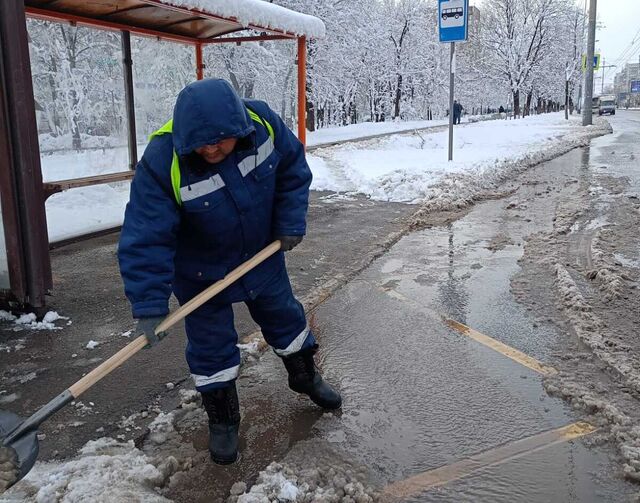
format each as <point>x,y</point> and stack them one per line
<point>214,154</point>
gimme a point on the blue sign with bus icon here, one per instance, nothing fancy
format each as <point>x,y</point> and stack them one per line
<point>452,19</point>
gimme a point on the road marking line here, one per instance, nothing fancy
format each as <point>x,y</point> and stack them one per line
<point>508,351</point>
<point>417,484</point>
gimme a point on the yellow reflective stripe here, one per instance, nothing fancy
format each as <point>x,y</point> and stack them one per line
<point>256,118</point>
<point>175,178</point>
<point>167,128</point>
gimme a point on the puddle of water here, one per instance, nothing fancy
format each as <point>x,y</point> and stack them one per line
<point>392,265</point>
<point>566,473</point>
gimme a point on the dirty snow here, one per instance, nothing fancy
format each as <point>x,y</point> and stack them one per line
<point>322,483</point>
<point>104,470</point>
<point>110,470</point>
<point>92,345</point>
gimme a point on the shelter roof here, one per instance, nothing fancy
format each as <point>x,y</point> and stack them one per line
<point>199,20</point>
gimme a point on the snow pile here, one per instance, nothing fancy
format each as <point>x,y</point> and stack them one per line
<point>624,431</point>
<point>610,279</point>
<point>414,168</point>
<point>588,327</point>
<point>280,483</point>
<point>29,321</point>
<point>257,12</point>
<point>110,470</point>
<point>104,470</point>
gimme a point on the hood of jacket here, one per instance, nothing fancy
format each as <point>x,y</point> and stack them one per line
<point>206,112</point>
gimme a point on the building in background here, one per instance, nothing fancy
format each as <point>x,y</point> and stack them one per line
<point>622,85</point>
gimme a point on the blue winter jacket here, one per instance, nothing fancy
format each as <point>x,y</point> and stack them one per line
<point>229,211</point>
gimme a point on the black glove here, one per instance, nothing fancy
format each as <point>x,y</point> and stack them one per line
<point>288,243</point>
<point>147,326</point>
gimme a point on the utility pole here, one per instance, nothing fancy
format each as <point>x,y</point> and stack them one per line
<point>587,118</point>
<point>603,67</point>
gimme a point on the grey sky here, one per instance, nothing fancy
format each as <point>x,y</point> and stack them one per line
<point>620,23</point>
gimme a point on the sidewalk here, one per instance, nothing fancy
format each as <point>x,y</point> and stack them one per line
<point>344,236</point>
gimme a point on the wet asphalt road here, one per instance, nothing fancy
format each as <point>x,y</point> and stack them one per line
<point>418,395</point>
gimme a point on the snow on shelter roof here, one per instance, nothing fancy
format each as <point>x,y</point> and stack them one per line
<point>182,20</point>
<point>257,13</point>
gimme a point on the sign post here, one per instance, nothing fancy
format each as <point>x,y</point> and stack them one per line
<point>453,16</point>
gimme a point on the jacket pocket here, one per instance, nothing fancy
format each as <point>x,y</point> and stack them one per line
<point>204,195</point>
<point>268,167</point>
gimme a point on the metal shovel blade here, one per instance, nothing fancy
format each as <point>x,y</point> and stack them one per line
<point>25,447</point>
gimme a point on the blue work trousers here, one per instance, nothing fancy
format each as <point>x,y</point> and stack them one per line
<point>212,352</point>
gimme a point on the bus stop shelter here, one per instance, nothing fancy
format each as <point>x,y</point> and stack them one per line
<point>25,266</point>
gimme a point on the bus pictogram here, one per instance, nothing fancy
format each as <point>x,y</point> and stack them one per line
<point>456,12</point>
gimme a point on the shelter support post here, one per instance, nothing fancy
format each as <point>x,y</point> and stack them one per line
<point>20,151</point>
<point>302,89</point>
<point>127,67</point>
<point>199,62</point>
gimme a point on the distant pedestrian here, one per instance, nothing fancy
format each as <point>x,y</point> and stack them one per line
<point>457,112</point>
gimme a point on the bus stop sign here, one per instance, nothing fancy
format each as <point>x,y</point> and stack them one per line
<point>453,18</point>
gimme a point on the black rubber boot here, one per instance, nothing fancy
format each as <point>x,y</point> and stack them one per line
<point>304,378</point>
<point>223,410</point>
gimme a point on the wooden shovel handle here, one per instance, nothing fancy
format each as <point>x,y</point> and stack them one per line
<point>140,342</point>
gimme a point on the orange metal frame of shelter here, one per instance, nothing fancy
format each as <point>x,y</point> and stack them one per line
<point>23,209</point>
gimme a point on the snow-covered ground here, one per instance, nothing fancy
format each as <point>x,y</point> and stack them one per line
<point>353,131</point>
<point>408,167</point>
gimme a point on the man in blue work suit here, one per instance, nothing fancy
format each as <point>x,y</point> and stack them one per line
<point>216,185</point>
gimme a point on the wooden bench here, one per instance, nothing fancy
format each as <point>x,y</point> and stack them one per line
<point>51,188</point>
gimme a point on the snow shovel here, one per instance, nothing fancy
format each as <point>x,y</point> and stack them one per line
<point>19,448</point>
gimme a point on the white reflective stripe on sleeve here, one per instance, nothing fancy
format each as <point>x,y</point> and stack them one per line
<point>201,188</point>
<point>248,164</point>
<point>222,376</point>
<point>295,345</point>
